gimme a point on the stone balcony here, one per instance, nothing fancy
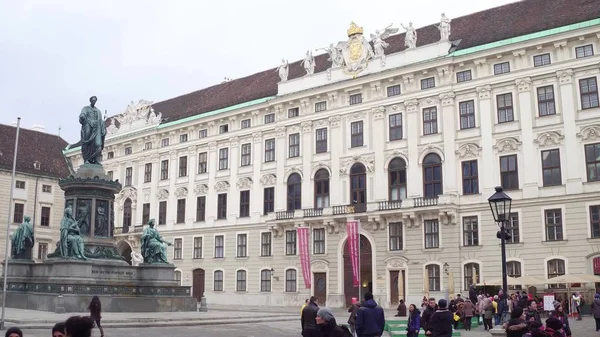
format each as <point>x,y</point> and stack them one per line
<point>128,230</point>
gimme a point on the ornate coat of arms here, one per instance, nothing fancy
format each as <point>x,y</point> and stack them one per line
<point>356,52</point>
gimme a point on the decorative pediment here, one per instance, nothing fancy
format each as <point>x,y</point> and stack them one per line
<point>318,166</point>
<point>244,183</point>
<point>378,112</point>
<point>128,193</point>
<point>358,115</point>
<point>201,189</point>
<point>136,116</point>
<point>268,180</point>
<point>395,262</point>
<point>162,194</point>
<point>307,126</point>
<point>222,186</point>
<point>319,266</point>
<point>429,148</point>
<point>509,144</point>
<point>280,131</point>
<point>469,150</point>
<point>429,101</point>
<point>590,132</point>
<point>484,91</point>
<point>396,153</point>
<point>549,138</point>
<point>346,164</point>
<point>334,121</point>
<point>181,192</point>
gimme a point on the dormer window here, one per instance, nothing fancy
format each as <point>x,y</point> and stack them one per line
<point>37,165</point>
<point>224,128</point>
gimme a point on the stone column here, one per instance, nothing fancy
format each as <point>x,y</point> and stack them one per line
<point>211,199</point>
<point>307,155</point>
<point>281,153</point>
<point>526,108</point>
<point>488,164</point>
<point>414,130</point>
<point>334,140</point>
<point>379,134</point>
<point>569,108</point>
<point>233,197</point>
<point>448,118</point>
<point>257,193</point>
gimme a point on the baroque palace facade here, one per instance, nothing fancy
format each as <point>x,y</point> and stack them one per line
<point>411,143</point>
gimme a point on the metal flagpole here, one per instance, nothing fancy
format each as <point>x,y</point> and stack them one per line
<point>6,243</point>
<point>359,269</point>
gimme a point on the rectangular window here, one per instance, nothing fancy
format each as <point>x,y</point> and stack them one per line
<point>181,211</point>
<point>128,150</point>
<point>20,184</point>
<point>162,213</point>
<point>269,118</point>
<point>245,123</point>
<point>592,161</point>
<point>198,248</point>
<point>319,241</point>
<point>355,99</point>
<point>509,172</point>
<point>430,121</point>
<point>201,208</point>
<point>265,244</point>
<point>293,112</point>
<point>42,251</point>
<point>222,206</point>
<point>470,231</point>
<point>202,162</point>
<point>395,233</point>
<point>433,274</point>
<point>395,126</point>
<point>467,114</point>
<point>240,284</point>
<point>246,154</point>
<point>505,108</point>
<point>290,281</point>
<point>218,280</point>
<point>588,91</point>
<point>45,218</point>
<point>269,150</point>
<point>183,166</point>
<point>224,128</point>
<point>164,142</point>
<point>46,188</point>
<point>18,213</point>
<point>148,146</point>
<point>393,90</point>
<point>219,246</point>
<point>164,170</point>
<point>512,228</point>
<point>178,249</point>
<point>203,133</point>
<point>356,134</point>
<point>501,68</point>
<point>242,245</point>
<point>595,221</point>
<point>223,159</point>
<point>244,204</point>
<point>541,60</point>
<point>128,176</point>
<point>551,168</point>
<point>294,146</point>
<point>432,234</point>
<point>290,242</point>
<point>554,228</point>
<point>265,280</point>
<point>148,172</point>
<point>321,140</point>
<point>111,154</point>
<point>545,97</point>
<point>463,76</point>
<point>269,200</point>
<point>145,213</point>
<point>470,177</point>
<point>428,83</point>
<point>320,106</point>
<point>584,51</point>
<point>183,138</point>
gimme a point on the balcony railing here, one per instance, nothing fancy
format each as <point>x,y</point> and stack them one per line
<point>390,205</point>
<point>344,209</point>
<point>128,229</point>
<point>284,215</point>
<point>425,202</point>
<point>312,212</point>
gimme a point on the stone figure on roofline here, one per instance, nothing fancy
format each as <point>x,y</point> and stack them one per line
<point>378,38</point>
<point>444,28</point>
<point>93,132</point>
<point>410,38</point>
<point>153,245</point>
<point>22,240</point>
<point>309,63</point>
<point>335,55</point>
<point>70,245</point>
<point>283,70</point>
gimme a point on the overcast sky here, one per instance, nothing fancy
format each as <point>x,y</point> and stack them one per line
<point>55,54</point>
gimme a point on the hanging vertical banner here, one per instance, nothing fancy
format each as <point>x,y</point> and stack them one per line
<point>353,247</point>
<point>304,254</point>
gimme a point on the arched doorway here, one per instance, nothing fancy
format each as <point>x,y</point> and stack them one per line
<point>366,270</point>
<point>124,249</point>
<point>198,277</point>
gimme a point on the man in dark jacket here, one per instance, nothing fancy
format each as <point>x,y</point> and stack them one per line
<point>428,312</point>
<point>370,319</point>
<point>308,319</point>
<point>473,294</point>
<point>441,321</point>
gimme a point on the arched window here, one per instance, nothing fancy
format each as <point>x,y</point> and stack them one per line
<point>290,281</point>
<point>240,280</point>
<point>432,176</point>
<point>294,192</point>
<point>218,280</point>
<point>126,214</point>
<point>322,189</point>
<point>265,280</point>
<point>358,187</point>
<point>471,275</point>
<point>433,274</point>
<point>177,277</point>
<point>513,269</point>
<point>397,176</point>
<point>556,267</point>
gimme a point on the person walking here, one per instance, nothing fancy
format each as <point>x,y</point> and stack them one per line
<point>370,318</point>
<point>488,313</point>
<point>308,319</point>
<point>577,305</point>
<point>352,319</point>
<point>327,326</point>
<point>441,321</point>
<point>414,321</point>
<point>427,313</point>
<point>303,306</point>
<point>95,309</point>
<point>596,310</point>
<point>468,312</point>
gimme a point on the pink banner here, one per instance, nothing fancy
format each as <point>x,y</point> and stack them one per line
<point>304,246</point>
<point>353,242</point>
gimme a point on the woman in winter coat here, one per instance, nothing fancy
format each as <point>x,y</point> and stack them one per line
<point>596,310</point>
<point>328,326</point>
<point>560,314</point>
<point>488,313</point>
<point>414,321</point>
<point>401,309</point>
<point>516,326</point>
<point>468,312</point>
<point>95,308</point>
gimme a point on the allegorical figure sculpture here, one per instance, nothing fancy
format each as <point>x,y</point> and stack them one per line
<point>101,227</point>
<point>93,132</point>
<point>309,63</point>
<point>283,70</point>
<point>83,218</point>
<point>335,55</point>
<point>70,245</point>
<point>153,245</point>
<point>22,240</point>
<point>444,28</point>
<point>379,44</point>
<point>136,258</point>
<point>410,38</point>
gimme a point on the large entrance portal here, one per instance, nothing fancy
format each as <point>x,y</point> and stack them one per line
<point>366,271</point>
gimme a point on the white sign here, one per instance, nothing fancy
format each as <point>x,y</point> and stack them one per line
<point>548,302</point>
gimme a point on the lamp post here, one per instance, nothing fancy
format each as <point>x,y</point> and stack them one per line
<point>500,204</point>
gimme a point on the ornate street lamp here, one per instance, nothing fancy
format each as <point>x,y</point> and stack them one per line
<point>500,204</point>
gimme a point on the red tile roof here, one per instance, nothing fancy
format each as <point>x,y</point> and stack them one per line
<point>495,24</point>
<point>33,146</point>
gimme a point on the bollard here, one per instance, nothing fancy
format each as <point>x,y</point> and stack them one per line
<point>203,307</point>
<point>60,305</point>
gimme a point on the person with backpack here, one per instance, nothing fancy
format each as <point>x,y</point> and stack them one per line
<point>370,318</point>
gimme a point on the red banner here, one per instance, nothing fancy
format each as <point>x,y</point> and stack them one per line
<point>597,265</point>
<point>304,246</point>
<point>353,247</point>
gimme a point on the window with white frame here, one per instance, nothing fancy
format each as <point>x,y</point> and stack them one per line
<point>290,281</point>
<point>319,241</point>
<point>433,274</point>
<point>265,281</point>
<point>198,247</point>
<point>242,245</point>
<point>470,231</point>
<point>396,235</point>
<point>553,224</point>
<point>432,233</point>
<point>265,244</point>
<point>218,280</point>
<point>471,275</point>
<point>219,246</point>
<point>240,280</point>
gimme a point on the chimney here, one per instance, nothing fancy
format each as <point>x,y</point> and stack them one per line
<point>39,128</point>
